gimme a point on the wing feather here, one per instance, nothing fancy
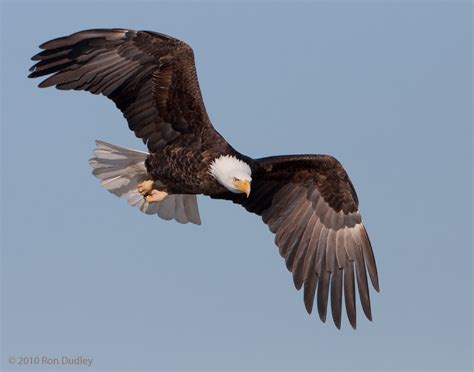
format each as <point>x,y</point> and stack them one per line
<point>298,267</point>
<point>151,78</point>
<point>363,285</point>
<point>310,204</point>
<point>349,292</point>
<point>295,244</point>
<point>360,236</point>
<point>322,273</point>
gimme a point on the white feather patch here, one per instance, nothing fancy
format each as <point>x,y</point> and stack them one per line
<point>121,170</point>
<point>224,165</point>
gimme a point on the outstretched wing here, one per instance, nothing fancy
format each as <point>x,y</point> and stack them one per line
<point>151,78</point>
<point>310,204</point>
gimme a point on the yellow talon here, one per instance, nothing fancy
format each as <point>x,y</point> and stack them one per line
<point>156,196</point>
<point>145,187</point>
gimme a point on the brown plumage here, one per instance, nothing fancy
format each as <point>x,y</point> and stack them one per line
<point>307,201</point>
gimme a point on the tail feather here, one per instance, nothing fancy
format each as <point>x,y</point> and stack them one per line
<point>121,170</point>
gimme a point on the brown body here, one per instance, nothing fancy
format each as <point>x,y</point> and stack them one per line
<point>183,165</point>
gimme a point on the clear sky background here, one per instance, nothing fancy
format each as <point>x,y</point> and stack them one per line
<point>386,87</point>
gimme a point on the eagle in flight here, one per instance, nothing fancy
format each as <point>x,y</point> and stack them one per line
<point>307,201</point>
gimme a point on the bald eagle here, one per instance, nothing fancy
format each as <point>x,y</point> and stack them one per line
<point>307,201</point>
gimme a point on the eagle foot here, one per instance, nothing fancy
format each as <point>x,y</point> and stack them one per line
<point>145,187</point>
<point>155,196</point>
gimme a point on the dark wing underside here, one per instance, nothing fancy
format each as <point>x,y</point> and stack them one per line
<point>151,78</point>
<point>311,206</point>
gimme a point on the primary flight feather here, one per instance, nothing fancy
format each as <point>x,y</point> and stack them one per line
<point>307,201</point>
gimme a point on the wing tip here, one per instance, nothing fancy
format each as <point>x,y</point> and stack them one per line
<point>298,282</point>
<point>64,41</point>
<point>44,83</point>
<point>323,317</point>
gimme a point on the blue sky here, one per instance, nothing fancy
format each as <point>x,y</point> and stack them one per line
<point>386,87</point>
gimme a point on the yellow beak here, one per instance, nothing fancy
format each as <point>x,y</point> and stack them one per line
<point>244,187</point>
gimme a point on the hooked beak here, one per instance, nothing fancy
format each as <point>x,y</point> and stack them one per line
<point>244,186</point>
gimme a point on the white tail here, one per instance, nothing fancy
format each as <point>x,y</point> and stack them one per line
<point>121,170</point>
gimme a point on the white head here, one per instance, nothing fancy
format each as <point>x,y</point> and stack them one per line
<point>234,174</point>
